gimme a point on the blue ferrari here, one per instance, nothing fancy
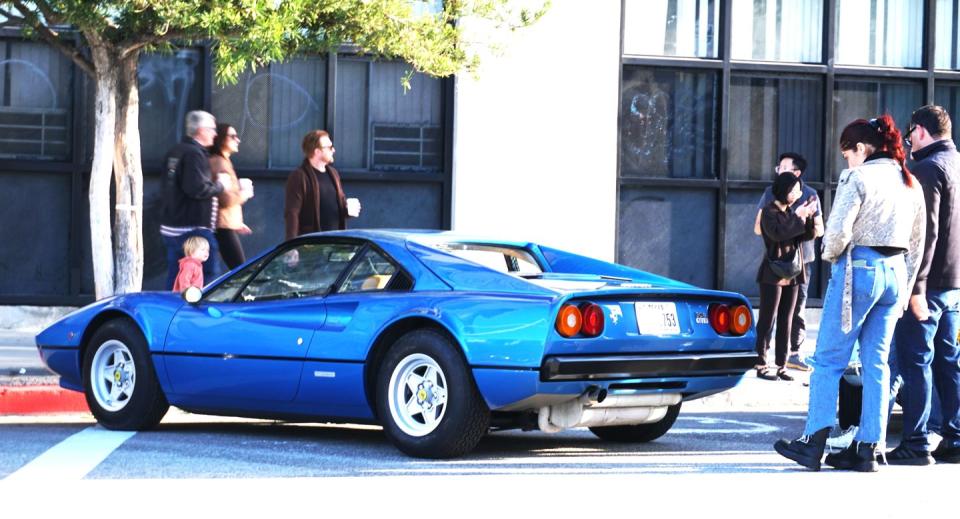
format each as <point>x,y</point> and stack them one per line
<point>437,337</point>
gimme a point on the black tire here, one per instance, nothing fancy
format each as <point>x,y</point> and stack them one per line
<point>640,433</point>
<point>464,419</point>
<point>145,405</point>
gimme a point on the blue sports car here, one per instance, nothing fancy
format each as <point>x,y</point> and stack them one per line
<point>437,337</point>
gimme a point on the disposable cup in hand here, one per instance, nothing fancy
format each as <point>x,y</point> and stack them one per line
<point>224,179</point>
<point>246,187</point>
<point>353,207</point>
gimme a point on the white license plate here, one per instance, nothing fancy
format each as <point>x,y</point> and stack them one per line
<point>657,318</point>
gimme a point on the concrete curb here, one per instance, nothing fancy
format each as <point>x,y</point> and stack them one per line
<point>40,399</point>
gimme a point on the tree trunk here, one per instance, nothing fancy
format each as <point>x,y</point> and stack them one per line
<point>128,178</point>
<point>104,131</point>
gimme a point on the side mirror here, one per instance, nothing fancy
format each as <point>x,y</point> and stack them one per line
<point>192,295</point>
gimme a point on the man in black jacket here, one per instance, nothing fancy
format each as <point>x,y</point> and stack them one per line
<point>190,195</point>
<point>926,335</point>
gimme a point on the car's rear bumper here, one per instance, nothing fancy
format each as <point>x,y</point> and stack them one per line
<point>612,367</point>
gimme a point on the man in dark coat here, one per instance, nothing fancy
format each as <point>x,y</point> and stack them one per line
<point>190,195</point>
<point>926,335</point>
<point>314,198</point>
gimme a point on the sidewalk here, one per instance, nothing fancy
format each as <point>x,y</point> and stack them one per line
<point>27,387</point>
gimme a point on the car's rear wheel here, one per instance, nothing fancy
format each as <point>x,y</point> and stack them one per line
<point>426,398</point>
<point>119,379</point>
<point>640,433</point>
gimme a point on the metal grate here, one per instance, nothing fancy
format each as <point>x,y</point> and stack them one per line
<point>406,147</point>
<point>34,132</point>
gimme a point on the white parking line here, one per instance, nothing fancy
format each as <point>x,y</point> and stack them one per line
<point>74,457</point>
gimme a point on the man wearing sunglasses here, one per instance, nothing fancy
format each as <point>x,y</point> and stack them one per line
<point>926,336</point>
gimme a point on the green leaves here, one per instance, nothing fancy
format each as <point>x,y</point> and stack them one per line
<point>249,33</point>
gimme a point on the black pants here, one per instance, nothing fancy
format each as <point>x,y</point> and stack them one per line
<point>230,248</point>
<point>782,300</point>
<point>798,330</point>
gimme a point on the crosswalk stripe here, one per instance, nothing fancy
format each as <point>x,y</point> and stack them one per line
<point>74,457</point>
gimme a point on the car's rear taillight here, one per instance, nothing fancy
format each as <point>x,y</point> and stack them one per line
<point>592,319</point>
<point>719,317</point>
<point>569,321</point>
<point>740,319</point>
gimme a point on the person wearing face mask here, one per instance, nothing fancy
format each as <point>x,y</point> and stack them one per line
<point>783,229</point>
<point>874,239</point>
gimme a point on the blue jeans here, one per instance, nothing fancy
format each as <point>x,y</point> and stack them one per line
<point>878,281</point>
<point>896,386</point>
<point>174,245</point>
<point>929,358</point>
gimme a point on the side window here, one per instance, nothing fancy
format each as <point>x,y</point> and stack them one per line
<point>309,269</point>
<point>227,291</point>
<point>372,272</point>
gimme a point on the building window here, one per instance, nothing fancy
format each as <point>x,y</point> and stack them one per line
<point>774,115</point>
<point>671,27</point>
<point>381,127</point>
<point>272,109</point>
<point>947,95</point>
<point>885,33</point>
<point>863,99</point>
<point>777,30</point>
<point>36,83</point>
<point>668,123</point>
<point>948,42</point>
<point>170,86</point>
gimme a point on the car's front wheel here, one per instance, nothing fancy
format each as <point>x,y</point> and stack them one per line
<point>426,398</point>
<point>119,379</point>
<point>640,433</point>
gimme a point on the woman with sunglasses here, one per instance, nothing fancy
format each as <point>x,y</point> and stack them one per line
<point>229,214</point>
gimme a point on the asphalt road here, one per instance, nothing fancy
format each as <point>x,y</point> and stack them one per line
<point>709,463</point>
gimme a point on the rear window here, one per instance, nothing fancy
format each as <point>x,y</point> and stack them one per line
<point>512,260</point>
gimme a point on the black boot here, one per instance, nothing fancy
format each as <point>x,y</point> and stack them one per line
<point>805,450</point>
<point>858,456</point>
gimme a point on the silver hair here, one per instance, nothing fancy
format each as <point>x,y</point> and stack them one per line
<point>195,120</point>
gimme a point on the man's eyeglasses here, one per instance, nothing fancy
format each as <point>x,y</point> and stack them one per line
<point>777,170</point>
<point>906,136</point>
<point>330,147</point>
<point>234,137</point>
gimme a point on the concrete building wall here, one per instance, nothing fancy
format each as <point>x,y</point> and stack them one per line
<point>535,135</point>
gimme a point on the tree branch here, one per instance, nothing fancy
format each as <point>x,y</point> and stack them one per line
<point>51,16</point>
<point>54,39</point>
<point>144,40</point>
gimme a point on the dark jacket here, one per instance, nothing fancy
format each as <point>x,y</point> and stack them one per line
<point>188,186</point>
<point>938,170</point>
<point>301,211</point>
<point>783,232</point>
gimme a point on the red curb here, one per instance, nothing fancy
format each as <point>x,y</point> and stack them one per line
<point>40,400</point>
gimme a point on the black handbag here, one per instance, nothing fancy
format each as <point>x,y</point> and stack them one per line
<point>787,266</point>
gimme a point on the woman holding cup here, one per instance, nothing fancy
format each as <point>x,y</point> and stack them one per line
<point>236,193</point>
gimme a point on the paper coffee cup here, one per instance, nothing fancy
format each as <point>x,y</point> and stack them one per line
<point>246,187</point>
<point>353,207</point>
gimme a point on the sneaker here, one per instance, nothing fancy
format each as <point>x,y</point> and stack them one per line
<point>904,455</point>
<point>946,453</point>
<point>841,438</point>
<point>795,362</point>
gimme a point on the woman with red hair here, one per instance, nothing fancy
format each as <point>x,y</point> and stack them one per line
<point>874,239</point>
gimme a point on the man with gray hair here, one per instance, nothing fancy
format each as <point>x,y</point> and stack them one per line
<point>189,195</point>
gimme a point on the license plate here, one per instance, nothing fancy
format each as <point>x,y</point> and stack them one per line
<point>657,319</point>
